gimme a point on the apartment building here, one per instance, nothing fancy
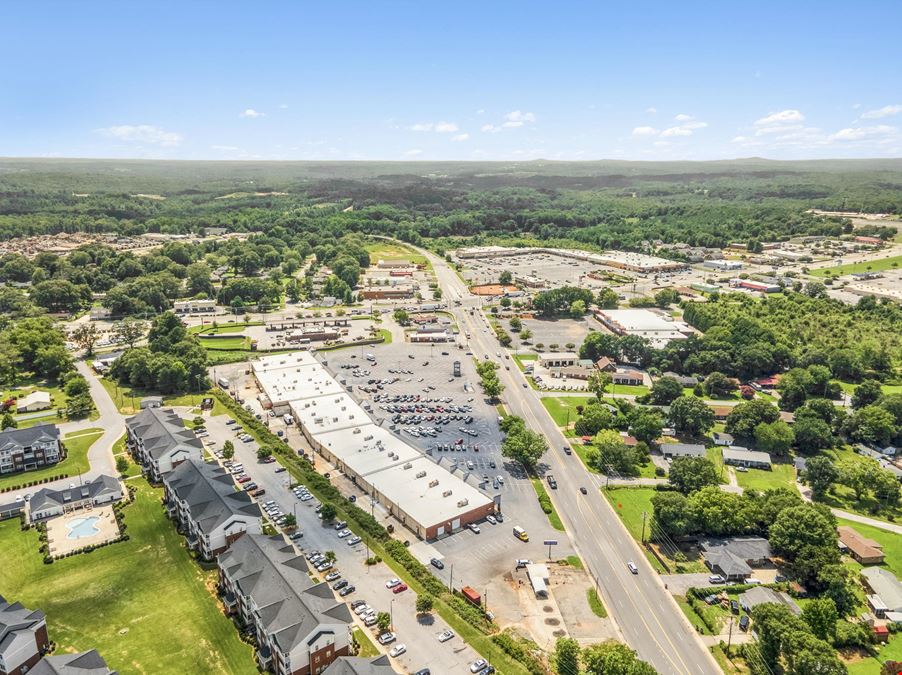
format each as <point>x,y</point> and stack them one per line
<point>159,441</point>
<point>29,449</point>
<point>23,637</point>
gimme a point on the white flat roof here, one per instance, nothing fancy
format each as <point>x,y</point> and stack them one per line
<point>367,449</point>
<point>280,361</point>
<point>299,382</point>
<point>559,356</point>
<point>427,492</point>
<point>331,412</point>
<point>639,320</point>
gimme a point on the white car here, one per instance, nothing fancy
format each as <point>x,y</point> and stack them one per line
<point>361,609</point>
<point>354,540</point>
<point>397,650</point>
<point>490,518</point>
<point>445,635</point>
<point>474,528</point>
<point>386,638</point>
<point>478,665</point>
<point>391,583</point>
<point>344,533</point>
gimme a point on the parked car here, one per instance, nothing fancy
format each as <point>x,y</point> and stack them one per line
<point>347,590</point>
<point>397,650</point>
<point>445,635</point>
<point>391,583</point>
<point>437,564</point>
<point>332,576</point>
<point>478,665</point>
<point>354,540</point>
<point>400,588</point>
<point>716,579</point>
<point>473,528</point>
<point>387,638</point>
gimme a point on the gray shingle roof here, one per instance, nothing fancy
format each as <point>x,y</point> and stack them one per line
<point>47,497</point>
<point>762,594</point>
<point>14,618</point>
<point>885,584</point>
<point>683,449</point>
<point>210,494</point>
<point>290,604</point>
<point>161,430</point>
<point>85,663</point>
<point>353,665</point>
<point>18,438</point>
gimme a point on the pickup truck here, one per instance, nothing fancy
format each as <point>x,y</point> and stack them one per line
<point>552,483</point>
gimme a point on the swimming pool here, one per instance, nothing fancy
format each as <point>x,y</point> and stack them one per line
<point>79,528</point>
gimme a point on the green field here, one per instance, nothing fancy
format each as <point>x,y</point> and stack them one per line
<point>76,462</point>
<point>560,406</point>
<point>630,504</point>
<point>782,475</point>
<point>386,250</point>
<point>522,359</point>
<point>152,609</point>
<point>880,265</point>
<point>871,665</point>
<point>227,343</point>
<point>128,399</point>
<point>219,329</point>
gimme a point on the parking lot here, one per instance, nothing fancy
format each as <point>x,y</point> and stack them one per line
<point>418,634</point>
<point>554,271</point>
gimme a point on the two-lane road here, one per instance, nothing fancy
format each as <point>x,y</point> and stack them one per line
<point>648,617</point>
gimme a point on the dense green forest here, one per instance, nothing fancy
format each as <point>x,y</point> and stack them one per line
<point>603,204</point>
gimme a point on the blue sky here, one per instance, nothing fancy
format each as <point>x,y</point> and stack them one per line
<point>451,80</point>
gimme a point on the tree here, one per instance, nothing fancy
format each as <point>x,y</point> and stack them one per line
<point>290,521</point>
<point>812,434</point>
<point>566,656</point>
<point>86,336</point>
<point>614,658</point>
<point>866,393</point>
<point>821,616</point>
<point>746,416</point>
<point>8,421</point>
<point>688,474</point>
<point>525,334</point>
<point>820,474</point>
<point>505,278</point>
<point>718,385</point>
<point>522,444</point>
<point>425,602</point>
<point>401,317</point>
<point>594,418</point>
<point>228,450</point>
<point>328,512</point>
<point>598,383</point>
<point>774,437</point>
<point>611,454</point>
<point>666,297</point>
<point>806,536</point>
<point>129,331</point>
<point>488,379</point>
<point>871,424</point>
<point>383,621</point>
<point>53,361</point>
<point>646,424</point>
<point>835,582</point>
<point>690,415</point>
<point>121,465</point>
<point>665,391</point>
<point>671,513</point>
<point>264,452</point>
<point>598,344</point>
<point>577,308</point>
<point>608,298</point>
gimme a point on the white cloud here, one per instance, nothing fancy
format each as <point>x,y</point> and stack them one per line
<point>778,129</point>
<point>437,127</point>
<point>415,152</point>
<point>651,110</point>
<point>489,128</point>
<point>460,137</point>
<point>683,118</point>
<point>143,133</point>
<point>283,106</point>
<point>676,131</point>
<point>512,120</point>
<point>645,131</point>
<point>879,132</point>
<point>225,148</point>
<point>780,118</point>
<point>251,113</point>
<point>885,111</point>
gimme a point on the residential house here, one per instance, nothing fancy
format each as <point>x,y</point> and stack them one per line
<point>733,558</point>
<point>753,459</point>
<point>159,441</point>
<point>299,626</point>
<point>885,598</point>
<point>354,665</point>
<point>721,411</point>
<point>863,550</point>
<point>682,450</point>
<point>722,438</point>
<point>686,381</point>
<point>84,663</point>
<point>29,449</point>
<point>33,402</point>
<point>762,594</point>
<point>23,637</point>
<point>202,498</point>
<point>629,377</point>
<point>606,365</point>
<point>48,502</point>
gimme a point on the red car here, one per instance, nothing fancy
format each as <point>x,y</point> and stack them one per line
<point>400,588</point>
<point>244,479</point>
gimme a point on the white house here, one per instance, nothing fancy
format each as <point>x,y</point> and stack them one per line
<point>33,402</point>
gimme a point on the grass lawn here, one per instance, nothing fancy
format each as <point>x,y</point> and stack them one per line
<point>152,609</point>
<point>630,503</point>
<point>219,329</point>
<point>850,387</point>
<point>77,444</point>
<point>387,250</point>
<point>841,497</point>
<point>29,385</point>
<point>892,543</point>
<point>229,343</point>
<point>595,603</point>
<point>574,561</point>
<point>880,265</point>
<point>542,494</point>
<point>892,651</point>
<point>122,397</point>
<point>522,359</point>
<point>560,406</point>
<point>714,454</point>
<point>782,475</point>
<point>694,618</point>
<point>367,648</point>
<point>628,389</point>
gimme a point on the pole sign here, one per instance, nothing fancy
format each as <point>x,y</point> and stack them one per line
<point>549,542</point>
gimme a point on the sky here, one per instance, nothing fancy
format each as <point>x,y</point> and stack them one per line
<point>461,80</point>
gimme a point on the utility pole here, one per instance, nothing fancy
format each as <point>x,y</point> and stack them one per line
<point>451,580</point>
<point>644,516</point>
<point>730,636</point>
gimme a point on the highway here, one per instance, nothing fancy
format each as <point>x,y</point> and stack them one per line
<point>648,617</point>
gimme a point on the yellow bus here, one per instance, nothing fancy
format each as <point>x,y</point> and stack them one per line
<point>520,533</point>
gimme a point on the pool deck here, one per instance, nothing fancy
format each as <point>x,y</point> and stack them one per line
<point>58,532</point>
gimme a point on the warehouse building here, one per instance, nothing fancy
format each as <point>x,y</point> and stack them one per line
<point>643,322</point>
<point>424,496</point>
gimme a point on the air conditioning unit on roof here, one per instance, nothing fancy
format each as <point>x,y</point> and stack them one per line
<point>421,474</point>
<point>446,493</point>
